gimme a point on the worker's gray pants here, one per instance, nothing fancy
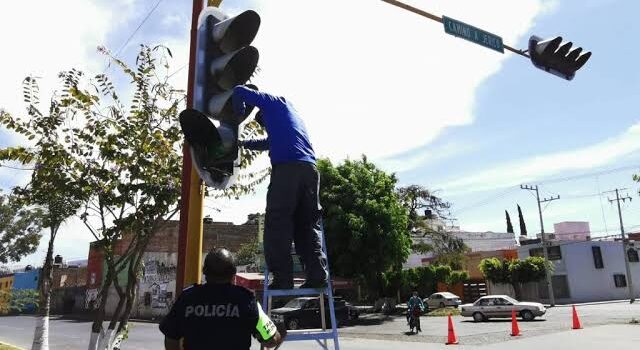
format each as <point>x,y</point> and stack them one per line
<point>293,214</point>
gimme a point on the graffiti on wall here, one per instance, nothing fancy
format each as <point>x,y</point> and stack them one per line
<point>92,299</point>
<point>155,281</point>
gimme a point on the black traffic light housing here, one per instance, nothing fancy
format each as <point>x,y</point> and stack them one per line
<point>224,59</point>
<point>556,57</point>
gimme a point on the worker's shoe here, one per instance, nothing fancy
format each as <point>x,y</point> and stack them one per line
<point>314,284</point>
<point>280,284</point>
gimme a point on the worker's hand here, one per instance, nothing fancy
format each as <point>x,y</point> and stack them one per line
<point>277,338</point>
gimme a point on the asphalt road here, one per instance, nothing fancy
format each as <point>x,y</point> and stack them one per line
<point>385,333</point>
<point>434,329</point>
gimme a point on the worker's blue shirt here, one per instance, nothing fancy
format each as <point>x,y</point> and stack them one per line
<point>287,139</point>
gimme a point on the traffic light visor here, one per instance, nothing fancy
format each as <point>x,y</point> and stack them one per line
<point>236,32</point>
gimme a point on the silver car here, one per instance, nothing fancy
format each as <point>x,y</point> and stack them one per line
<point>442,299</point>
<point>491,306</point>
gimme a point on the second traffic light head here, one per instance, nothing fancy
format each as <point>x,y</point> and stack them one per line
<point>555,57</point>
<point>214,148</point>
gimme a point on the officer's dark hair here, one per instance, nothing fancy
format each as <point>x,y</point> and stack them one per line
<point>219,266</point>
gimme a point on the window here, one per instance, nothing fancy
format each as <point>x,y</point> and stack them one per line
<point>620,280</point>
<point>484,302</point>
<point>536,252</point>
<point>500,301</point>
<point>597,257</point>
<point>554,253</point>
<point>633,255</point>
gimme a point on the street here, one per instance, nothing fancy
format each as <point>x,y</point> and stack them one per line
<point>604,325</point>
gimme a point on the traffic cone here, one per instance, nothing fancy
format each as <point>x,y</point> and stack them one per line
<point>452,339</point>
<point>515,330</point>
<point>576,319</point>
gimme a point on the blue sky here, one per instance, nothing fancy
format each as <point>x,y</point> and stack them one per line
<point>373,79</point>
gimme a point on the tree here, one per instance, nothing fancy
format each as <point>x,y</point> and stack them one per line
<point>120,165</point>
<point>509,225</point>
<point>514,272</point>
<point>55,183</point>
<point>418,199</point>
<point>247,252</point>
<point>19,229</point>
<point>133,155</point>
<point>523,226</point>
<point>364,221</point>
<point>447,248</point>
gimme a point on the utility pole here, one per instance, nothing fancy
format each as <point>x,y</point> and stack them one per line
<point>552,298</point>
<point>624,243</point>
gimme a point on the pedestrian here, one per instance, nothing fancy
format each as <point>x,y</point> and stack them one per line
<point>293,205</point>
<point>218,314</point>
<point>415,307</point>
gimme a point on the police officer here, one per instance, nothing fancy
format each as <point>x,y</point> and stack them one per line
<point>217,314</point>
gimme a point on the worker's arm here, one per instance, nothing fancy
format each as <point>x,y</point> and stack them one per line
<point>243,96</point>
<point>256,145</point>
<point>171,344</point>
<point>265,330</point>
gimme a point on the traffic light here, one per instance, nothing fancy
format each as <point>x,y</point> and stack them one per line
<point>224,59</point>
<point>556,57</point>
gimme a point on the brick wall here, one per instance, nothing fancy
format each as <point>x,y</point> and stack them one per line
<point>217,234</point>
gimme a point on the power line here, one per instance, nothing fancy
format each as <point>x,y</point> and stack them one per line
<point>144,20</point>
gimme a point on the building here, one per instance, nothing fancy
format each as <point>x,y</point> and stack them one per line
<point>494,242</point>
<point>6,284</point>
<point>27,279</point>
<point>474,259</point>
<point>156,286</point>
<point>586,271</point>
<point>572,231</point>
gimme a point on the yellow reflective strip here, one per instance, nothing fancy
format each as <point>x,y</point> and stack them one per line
<point>265,326</point>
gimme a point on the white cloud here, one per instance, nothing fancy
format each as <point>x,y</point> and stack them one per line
<point>537,167</point>
<point>371,78</point>
<point>44,37</point>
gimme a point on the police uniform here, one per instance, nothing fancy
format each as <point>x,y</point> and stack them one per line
<point>217,316</point>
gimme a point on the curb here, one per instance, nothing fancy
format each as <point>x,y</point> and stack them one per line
<point>591,303</point>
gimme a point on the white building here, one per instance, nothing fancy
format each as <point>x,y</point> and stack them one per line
<point>572,231</point>
<point>476,241</point>
<point>587,271</point>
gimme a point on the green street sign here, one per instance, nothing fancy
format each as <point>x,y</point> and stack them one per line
<point>473,34</point>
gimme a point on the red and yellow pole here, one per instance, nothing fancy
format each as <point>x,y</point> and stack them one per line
<point>189,267</point>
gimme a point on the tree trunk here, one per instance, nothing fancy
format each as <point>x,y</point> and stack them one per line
<point>517,290</point>
<point>41,334</point>
<point>97,330</point>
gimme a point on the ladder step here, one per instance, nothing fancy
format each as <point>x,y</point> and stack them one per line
<point>292,292</point>
<point>309,334</point>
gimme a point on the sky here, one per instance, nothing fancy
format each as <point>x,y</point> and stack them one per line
<point>370,78</point>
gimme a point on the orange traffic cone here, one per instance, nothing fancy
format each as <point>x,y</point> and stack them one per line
<point>451,338</point>
<point>576,319</point>
<point>515,330</point>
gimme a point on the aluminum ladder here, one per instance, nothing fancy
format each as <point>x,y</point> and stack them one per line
<point>320,335</point>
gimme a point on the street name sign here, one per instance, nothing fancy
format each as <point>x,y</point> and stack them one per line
<point>473,34</point>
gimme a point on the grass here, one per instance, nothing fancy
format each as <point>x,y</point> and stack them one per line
<point>8,347</point>
<point>454,311</point>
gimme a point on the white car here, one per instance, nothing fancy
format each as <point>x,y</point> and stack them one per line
<point>442,299</point>
<point>501,306</point>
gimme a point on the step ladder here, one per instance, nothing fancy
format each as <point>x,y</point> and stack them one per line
<point>320,335</point>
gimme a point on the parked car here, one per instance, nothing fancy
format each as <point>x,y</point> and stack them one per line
<point>442,299</point>
<point>304,312</point>
<point>491,306</point>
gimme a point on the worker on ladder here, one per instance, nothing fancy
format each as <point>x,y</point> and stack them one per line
<point>293,205</point>
<point>217,314</point>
